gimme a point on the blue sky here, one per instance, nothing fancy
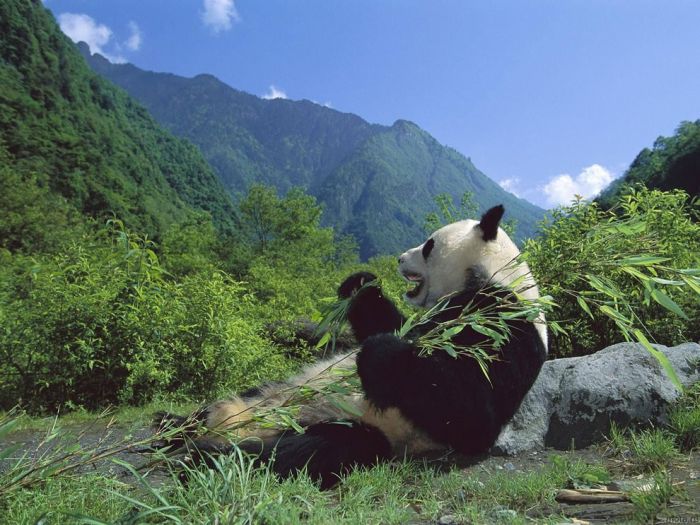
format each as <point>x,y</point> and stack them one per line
<point>547,98</point>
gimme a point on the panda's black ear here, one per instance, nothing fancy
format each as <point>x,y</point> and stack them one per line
<point>489,222</point>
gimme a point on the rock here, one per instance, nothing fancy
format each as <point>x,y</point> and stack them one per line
<point>575,400</point>
<point>448,519</point>
<point>501,513</point>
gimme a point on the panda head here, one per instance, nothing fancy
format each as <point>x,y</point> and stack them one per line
<point>444,263</point>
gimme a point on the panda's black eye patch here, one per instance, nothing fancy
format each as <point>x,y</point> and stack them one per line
<point>427,248</point>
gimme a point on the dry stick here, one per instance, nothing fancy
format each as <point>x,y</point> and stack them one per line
<point>591,496</point>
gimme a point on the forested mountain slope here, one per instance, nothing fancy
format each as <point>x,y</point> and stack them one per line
<point>377,182</point>
<point>672,162</point>
<point>65,127</point>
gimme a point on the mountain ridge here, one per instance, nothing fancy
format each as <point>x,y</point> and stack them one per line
<point>672,163</point>
<point>97,147</point>
<point>347,163</point>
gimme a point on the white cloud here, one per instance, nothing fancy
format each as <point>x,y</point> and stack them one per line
<point>510,185</point>
<point>134,41</point>
<point>82,28</point>
<point>274,93</point>
<point>589,183</point>
<point>219,14</point>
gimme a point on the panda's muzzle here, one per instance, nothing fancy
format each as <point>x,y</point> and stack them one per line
<point>413,278</point>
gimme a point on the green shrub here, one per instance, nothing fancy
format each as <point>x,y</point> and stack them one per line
<point>620,265</point>
<point>100,324</point>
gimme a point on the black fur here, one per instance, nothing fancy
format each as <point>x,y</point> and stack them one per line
<point>325,450</point>
<point>370,313</point>
<point>450,398</point>
<point>353,283</point>
<point>489,222</point>
<point>427,248</point>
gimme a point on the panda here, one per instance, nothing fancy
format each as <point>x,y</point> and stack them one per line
<point>410,403</point>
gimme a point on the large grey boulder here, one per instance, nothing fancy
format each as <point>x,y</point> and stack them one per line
<point>575,400</point>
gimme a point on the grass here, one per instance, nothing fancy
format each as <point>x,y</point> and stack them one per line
<point>644,451</point>
<point>237,492</point>
<point>648,504</point>
<point>684,420</point>
<point>60,500</point>
<point>123,416</point>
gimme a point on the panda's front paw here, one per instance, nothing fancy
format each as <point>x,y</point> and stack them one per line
<point>353,283</point>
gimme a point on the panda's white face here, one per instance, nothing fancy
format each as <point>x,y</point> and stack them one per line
<point>441,265</point>
<point>438,267</point>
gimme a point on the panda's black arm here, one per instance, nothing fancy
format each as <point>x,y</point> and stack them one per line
<point>370,312</point>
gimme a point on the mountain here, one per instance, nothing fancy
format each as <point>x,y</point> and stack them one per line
<point>89,141</point>
<point>376,182</point>
<point>673,162</point>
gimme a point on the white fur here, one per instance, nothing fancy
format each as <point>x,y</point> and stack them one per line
<point>458,247</point>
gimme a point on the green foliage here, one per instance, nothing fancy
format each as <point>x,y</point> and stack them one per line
<point>684,420</point>
<point>672,163</point>
<point>648,503</point>
<point>190,247</point>
<point>631,270</point>
<point>89,141</point>
<point>647,450</point>
<point>101,324</point>
<point>448,213</point>
<point>291,263</point>
<point>33,218</point>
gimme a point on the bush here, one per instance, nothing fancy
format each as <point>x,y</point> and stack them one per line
<point>100,324</point>
<point>606,268</point>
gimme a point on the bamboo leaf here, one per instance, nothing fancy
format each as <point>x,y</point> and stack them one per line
<point>636,273</point>
<point>450,349</point>
<point>602,287</point>
<point>614,314</point>
<point>451,332</point>
<point>488,332</point>
<point>291,422</point>
<point>692,282</point>
<point>667,282</point>
<point>643,260</point>
<point>407,325</point>
<point>345,406</point>
<point>660,357</point>
<point>664,300</point>
<point>324,340</point>
<point>584,306</point>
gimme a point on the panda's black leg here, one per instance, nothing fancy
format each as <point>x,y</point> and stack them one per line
<point>324,450</point>
<point>447,398</point>
<point>384,366</point>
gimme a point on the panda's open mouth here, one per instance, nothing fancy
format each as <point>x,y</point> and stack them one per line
<point>415,278</point>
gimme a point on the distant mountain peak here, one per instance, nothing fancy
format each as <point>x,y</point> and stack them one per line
<point>403,123</point>
<point>376,182</point>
